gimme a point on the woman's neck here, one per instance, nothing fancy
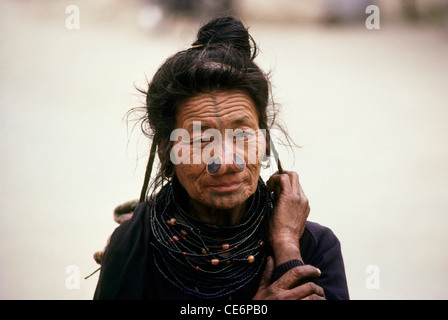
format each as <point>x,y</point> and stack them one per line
<point>217,216</point>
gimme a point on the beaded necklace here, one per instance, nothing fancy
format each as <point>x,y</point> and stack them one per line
<point>204,260</point>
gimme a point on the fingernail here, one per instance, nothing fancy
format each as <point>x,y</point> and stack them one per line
<point>318,270</point>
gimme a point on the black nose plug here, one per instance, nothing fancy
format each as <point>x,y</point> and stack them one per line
<point>239,162</point>
<point>214,164</point>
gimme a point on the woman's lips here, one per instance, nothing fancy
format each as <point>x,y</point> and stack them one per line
<point>226,187</point>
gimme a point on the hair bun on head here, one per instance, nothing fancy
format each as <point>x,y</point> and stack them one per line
<point>229,32</point>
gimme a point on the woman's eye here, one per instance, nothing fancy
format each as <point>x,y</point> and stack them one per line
<point>241,134</point>
<point>203,140</point>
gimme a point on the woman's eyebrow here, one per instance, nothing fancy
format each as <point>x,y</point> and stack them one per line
<point>201,125</point>
<point>207,124</point>
<point>211,123</point>
<point>242,121</point>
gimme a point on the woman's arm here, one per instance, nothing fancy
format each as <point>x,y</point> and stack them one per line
<point>286,228</point>
<point>288,220</point>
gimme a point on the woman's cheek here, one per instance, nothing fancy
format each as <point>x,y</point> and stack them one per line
<point>189,176</point>
<point>254,172</point>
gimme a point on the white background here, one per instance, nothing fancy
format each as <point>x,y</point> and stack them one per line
<point>368,107</point>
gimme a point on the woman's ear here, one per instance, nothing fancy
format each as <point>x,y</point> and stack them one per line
<point>163,152</point>
<point>268,144</point>
<point>168,170</point>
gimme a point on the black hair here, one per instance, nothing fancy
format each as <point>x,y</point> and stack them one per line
<point>221,58</point>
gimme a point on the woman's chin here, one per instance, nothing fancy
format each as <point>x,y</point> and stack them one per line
<point>227,200</point>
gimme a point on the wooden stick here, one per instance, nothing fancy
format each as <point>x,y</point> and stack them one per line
<point>279,164</point>
<point>148,171</point>
<point>92,273</point>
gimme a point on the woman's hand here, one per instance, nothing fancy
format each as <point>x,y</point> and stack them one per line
<point>288,286</point>
<point>290,213</point>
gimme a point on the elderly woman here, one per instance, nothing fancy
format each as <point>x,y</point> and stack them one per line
<point>211,228</point>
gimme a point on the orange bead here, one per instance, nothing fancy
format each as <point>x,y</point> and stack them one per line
<point>215,262</point>
<point>172,222</point>
<point>225,246</point>
<point>250,259</point>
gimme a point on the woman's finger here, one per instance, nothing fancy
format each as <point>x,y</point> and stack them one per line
<point>294,181</point>
<point>297,275</point>
<point>279,183</point>
<point>267,274</point>
<point>307,291</point>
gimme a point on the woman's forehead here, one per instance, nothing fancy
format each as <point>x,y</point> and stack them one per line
<point>219,110</point>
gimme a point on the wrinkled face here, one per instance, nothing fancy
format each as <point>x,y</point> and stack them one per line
<point>218,125</point>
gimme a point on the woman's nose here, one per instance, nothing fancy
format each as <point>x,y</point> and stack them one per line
<point>216,165</point>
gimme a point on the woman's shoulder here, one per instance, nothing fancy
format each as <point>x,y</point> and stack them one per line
<point>321,248</point>
<point>132,227</point>
<point>123,265</point>
<point>319,232</point>
<point>129,219</point>
<point>318,239</point>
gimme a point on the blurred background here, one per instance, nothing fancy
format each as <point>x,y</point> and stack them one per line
<point>368,106</point>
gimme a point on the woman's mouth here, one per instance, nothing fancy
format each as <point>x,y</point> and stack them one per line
<point>226,187</point>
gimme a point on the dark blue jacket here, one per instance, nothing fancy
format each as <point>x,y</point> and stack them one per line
<point>128,271</point>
